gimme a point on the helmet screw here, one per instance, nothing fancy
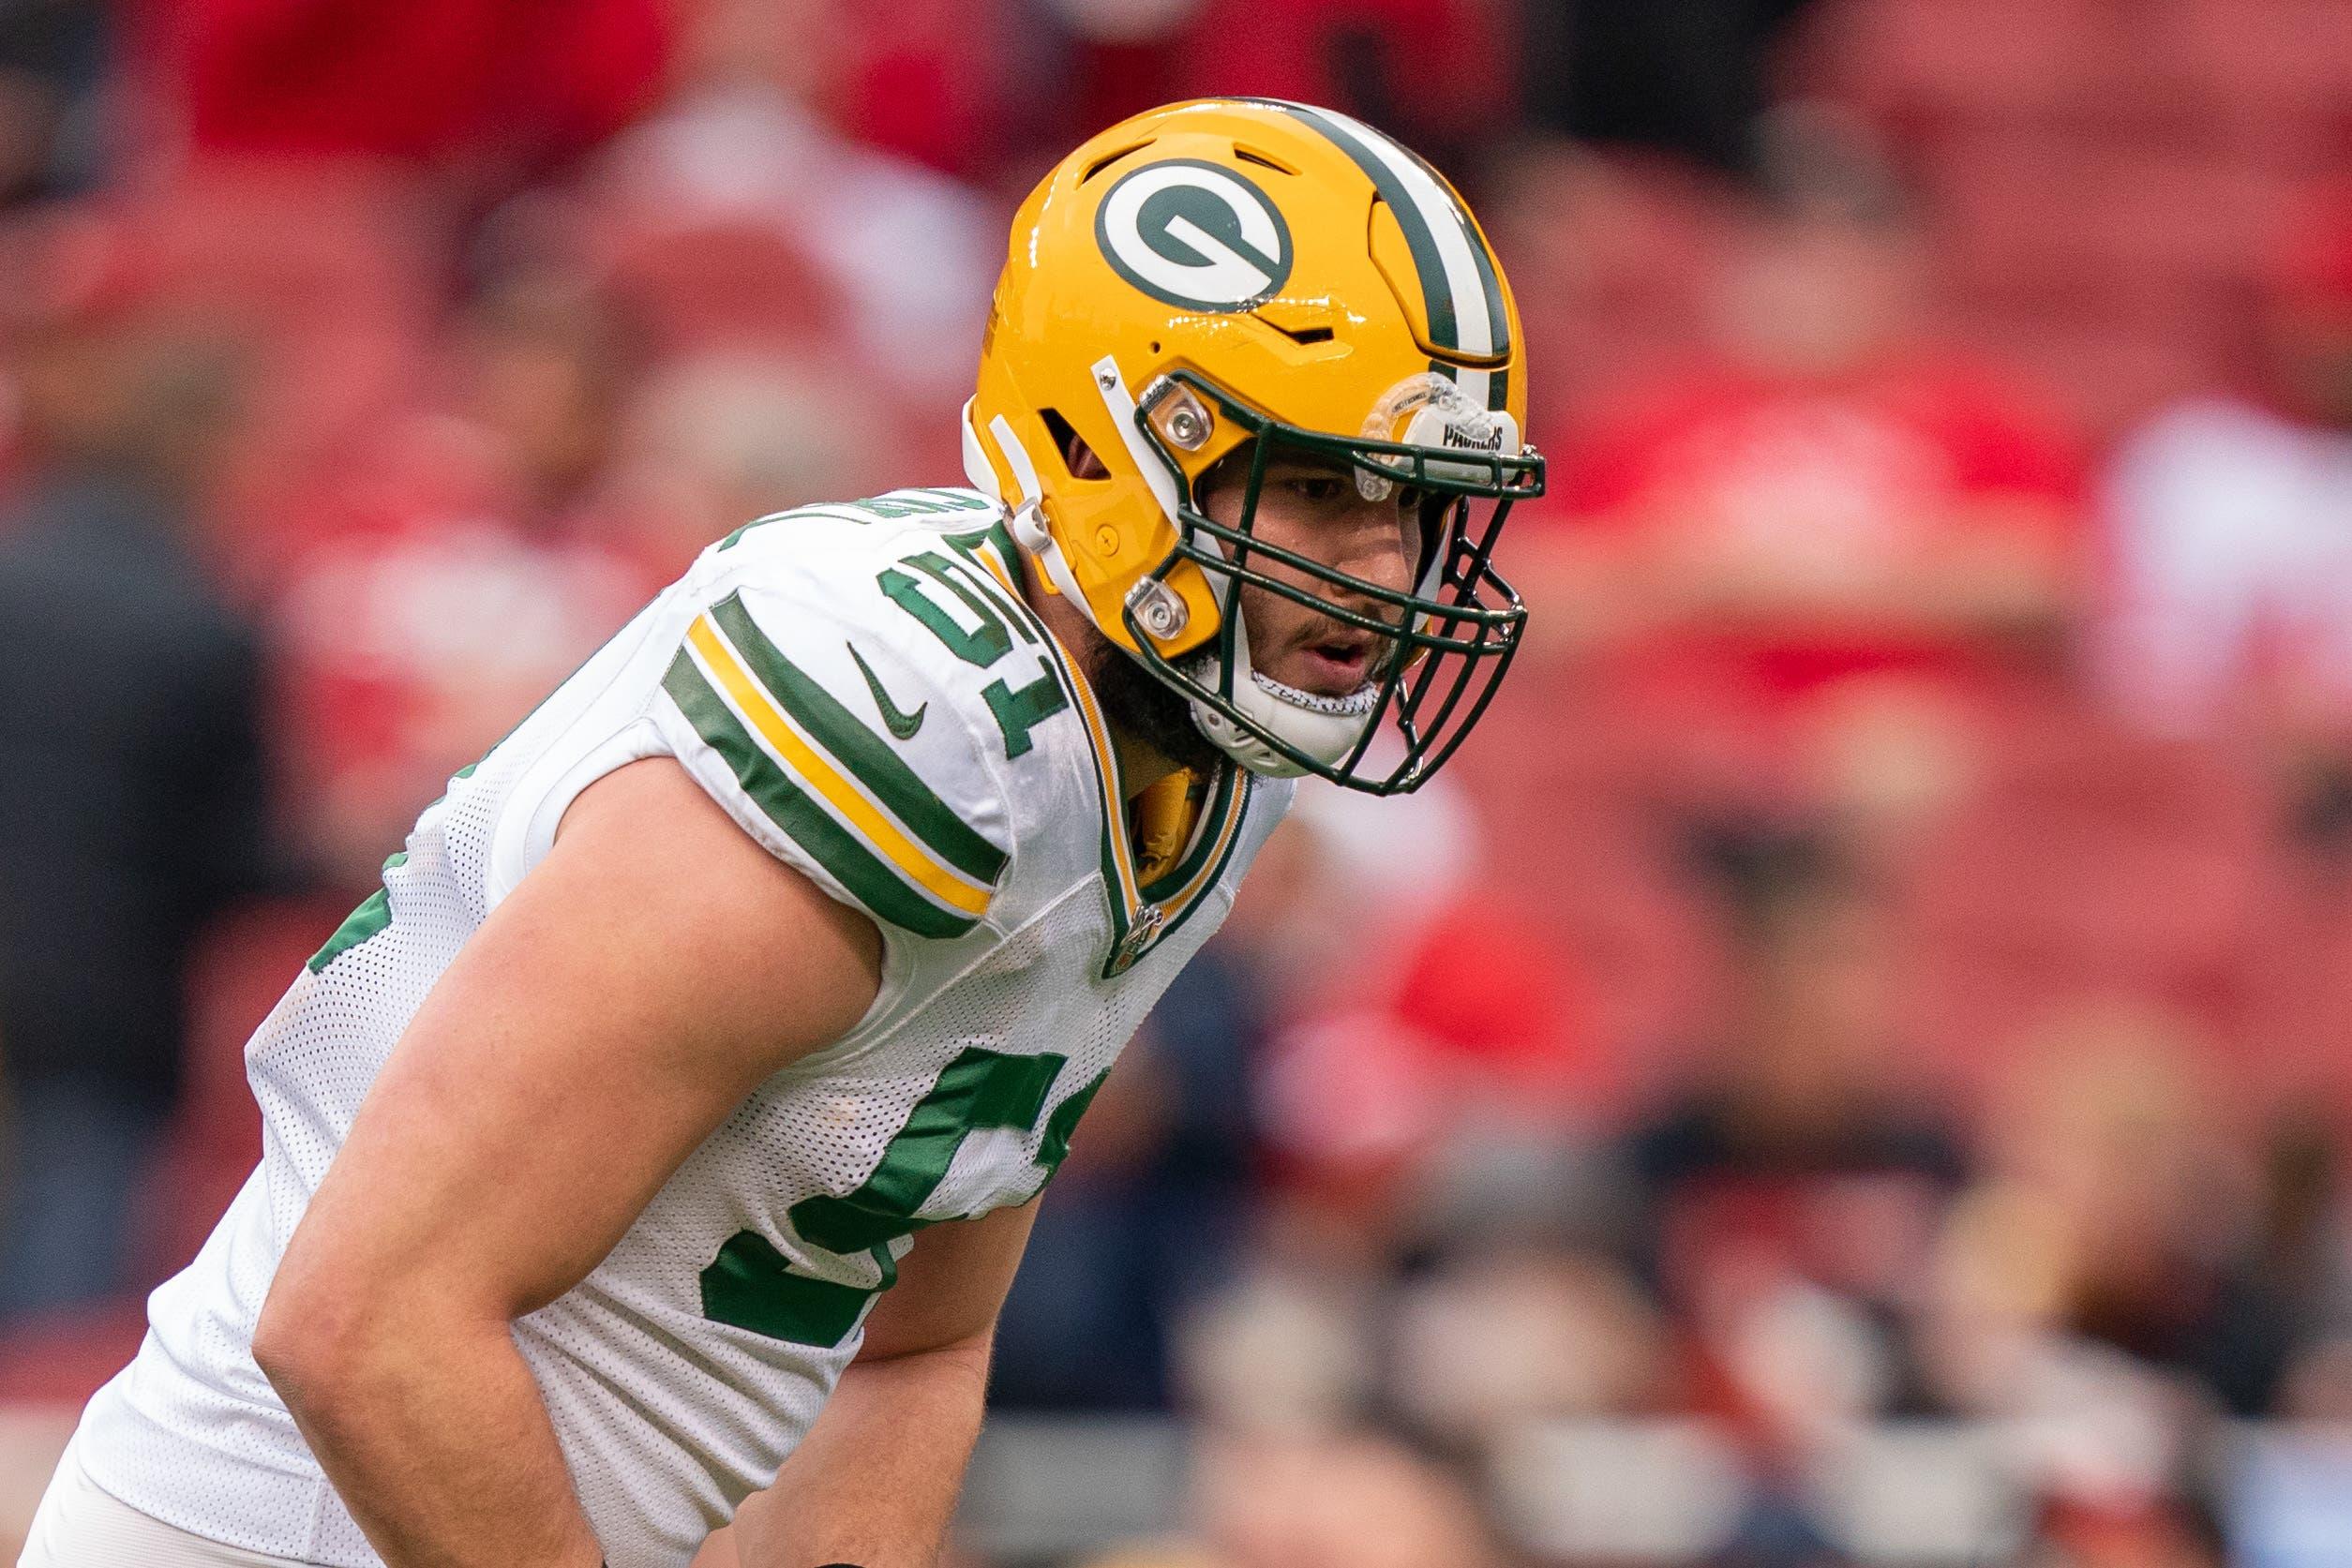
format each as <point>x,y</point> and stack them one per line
<point>1106,379</point>
<point>1182,420</point>
<point>1160,609</point>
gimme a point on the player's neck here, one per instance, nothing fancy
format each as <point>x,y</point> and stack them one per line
<point>1141,764</point>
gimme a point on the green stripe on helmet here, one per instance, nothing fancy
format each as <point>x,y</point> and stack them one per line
<point>1437,296</point>
<point>1490,276</point>
<point>1436,287</point>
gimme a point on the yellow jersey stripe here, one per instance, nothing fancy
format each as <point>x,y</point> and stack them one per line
<point>815,769</point>
<point>1107,774</point>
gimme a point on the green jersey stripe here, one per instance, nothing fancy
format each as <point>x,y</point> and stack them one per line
<point>868,877</point>
<point>373,914</point>
<point>864,753</point>
<point>979,1089</point>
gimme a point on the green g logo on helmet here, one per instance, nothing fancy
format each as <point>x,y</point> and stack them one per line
<point>1194,235</point>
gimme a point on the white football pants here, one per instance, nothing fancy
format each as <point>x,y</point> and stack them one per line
<point>78,1526</point>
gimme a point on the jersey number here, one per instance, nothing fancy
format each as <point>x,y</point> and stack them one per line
<point>750,1284</point>
<point>983,643</point>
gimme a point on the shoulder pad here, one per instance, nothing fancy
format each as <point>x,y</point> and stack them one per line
<point>945,509</point>
<point>837,702</point>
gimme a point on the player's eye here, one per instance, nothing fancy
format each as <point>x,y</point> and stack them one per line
<point>1317,489</point>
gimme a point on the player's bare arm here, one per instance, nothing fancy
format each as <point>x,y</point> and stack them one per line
<point>876,1480</point>
<point>602,1021</point>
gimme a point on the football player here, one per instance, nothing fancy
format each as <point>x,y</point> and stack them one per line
<point>667,1128</point>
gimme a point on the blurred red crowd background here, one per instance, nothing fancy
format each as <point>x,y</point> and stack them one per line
<point>1886,954</point>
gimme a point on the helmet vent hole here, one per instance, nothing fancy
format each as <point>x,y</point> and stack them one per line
<point>1109,158</point>
<point>1301,334</point>
<point>1076,455</point>
<point>1250,155</point>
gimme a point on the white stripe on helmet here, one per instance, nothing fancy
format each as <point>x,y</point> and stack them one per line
<point>1442,216</point>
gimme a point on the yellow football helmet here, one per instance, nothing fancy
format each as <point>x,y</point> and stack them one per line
<point>1239,273</point>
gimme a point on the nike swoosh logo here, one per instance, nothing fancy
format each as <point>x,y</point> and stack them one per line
<point>901,724</point>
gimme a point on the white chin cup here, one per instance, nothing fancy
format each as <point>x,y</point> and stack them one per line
<point>1325,729</point>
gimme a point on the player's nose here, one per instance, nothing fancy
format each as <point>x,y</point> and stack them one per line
<point>1374,551</point>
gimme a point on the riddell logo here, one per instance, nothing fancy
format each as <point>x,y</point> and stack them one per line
<point>1489,439</point>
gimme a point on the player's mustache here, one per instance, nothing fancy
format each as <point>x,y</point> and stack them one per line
<point>1387,647</point>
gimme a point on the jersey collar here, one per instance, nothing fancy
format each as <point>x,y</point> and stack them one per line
<point>1142,914</point>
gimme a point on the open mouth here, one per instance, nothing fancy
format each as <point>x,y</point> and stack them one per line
<point>1338,661</point>
<point>1335,658</point>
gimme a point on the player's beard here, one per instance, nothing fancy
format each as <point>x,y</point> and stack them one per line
<point>1140,705</point>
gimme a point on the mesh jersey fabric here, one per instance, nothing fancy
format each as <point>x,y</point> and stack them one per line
<point>1021,950</point>
<point>78,1526</point>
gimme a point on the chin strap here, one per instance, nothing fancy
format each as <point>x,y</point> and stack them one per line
<point>1027,522</point>
<point>1120,404</point>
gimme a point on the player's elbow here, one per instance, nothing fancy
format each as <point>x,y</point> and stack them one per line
<point>968,1355</point>
<point>328,1333</point>
<point>310,1337</point>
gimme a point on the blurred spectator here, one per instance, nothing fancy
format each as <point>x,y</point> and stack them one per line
<point>1150,1212</point>
<point>2282,1311</point>
<point>1430,1065</point>
<point>130,780</point>
<point>1681,76</point>
<point>2234,596</point>
<point>911,251</point>
<point>1615,261</point>
<point>1289,1347</point>
<point>467,574</point>
<point>1804,558</point>
<point>2076,1293</point>
<point>1338,1502</point>
<point>1433,74</point>
<point>2109,1143</point>
<point>484,93</point>
<point>712,441</point>
<point>1784,1206</point>
<point>54,135</point>
<point>1495,1337</point>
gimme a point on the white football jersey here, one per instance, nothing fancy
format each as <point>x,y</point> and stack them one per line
<point>862,690</point>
